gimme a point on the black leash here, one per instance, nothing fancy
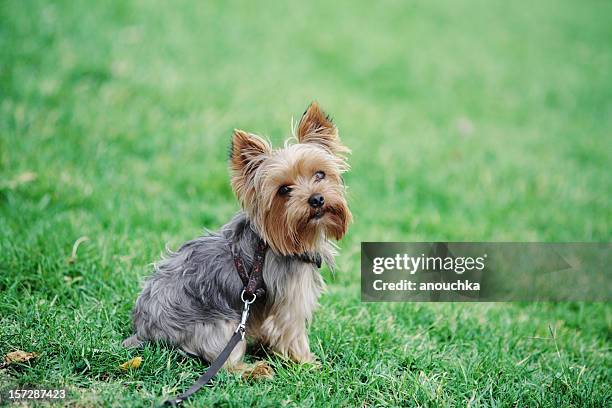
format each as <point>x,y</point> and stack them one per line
<point>253,288</point>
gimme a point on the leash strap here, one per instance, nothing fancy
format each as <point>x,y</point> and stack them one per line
<point>253,288</point>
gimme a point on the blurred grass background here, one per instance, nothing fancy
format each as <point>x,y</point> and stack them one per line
<point>468,121</point>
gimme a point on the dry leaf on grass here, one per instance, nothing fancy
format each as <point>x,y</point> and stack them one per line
<point>133,363</point>
<point>19,356</point>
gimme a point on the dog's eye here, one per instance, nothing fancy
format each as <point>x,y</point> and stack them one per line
<point>319,175</point>
<point>284,190</point>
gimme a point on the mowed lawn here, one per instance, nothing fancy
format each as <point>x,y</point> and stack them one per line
<point>468,121</point>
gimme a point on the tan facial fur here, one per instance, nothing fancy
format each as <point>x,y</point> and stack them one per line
<point>288,222</point>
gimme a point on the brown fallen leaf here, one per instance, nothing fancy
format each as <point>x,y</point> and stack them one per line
<point>133,363</point>
<point>19,356</point>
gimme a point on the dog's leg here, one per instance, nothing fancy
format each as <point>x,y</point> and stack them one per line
<point>287,336</point>
<point>299,350</point>
<point>285,327</point>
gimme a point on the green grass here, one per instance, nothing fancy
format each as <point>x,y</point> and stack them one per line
<point>468,121</point>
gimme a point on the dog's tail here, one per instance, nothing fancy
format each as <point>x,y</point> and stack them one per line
<point>132,342</point>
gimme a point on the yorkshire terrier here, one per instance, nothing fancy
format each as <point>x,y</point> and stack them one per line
<point>294,199</point>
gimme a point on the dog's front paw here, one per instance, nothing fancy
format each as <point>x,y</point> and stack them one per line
<point>258,371</point>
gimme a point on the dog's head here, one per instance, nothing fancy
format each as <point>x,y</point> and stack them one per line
<point>295,196</point>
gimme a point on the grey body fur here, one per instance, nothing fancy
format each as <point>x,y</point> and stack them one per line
<point>192,301</point>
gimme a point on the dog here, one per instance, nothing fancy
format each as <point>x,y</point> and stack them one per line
<point>294,200</point>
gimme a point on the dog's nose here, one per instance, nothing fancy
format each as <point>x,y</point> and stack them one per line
<point>316,200</point>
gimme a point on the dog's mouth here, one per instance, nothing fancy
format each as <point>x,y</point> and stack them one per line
<point>317,214</point>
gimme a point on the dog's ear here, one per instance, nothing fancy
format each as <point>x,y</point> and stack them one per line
<point>247,152</point>
<point>317,127</point>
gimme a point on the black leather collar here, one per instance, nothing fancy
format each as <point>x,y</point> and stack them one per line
<point>311,257</point>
